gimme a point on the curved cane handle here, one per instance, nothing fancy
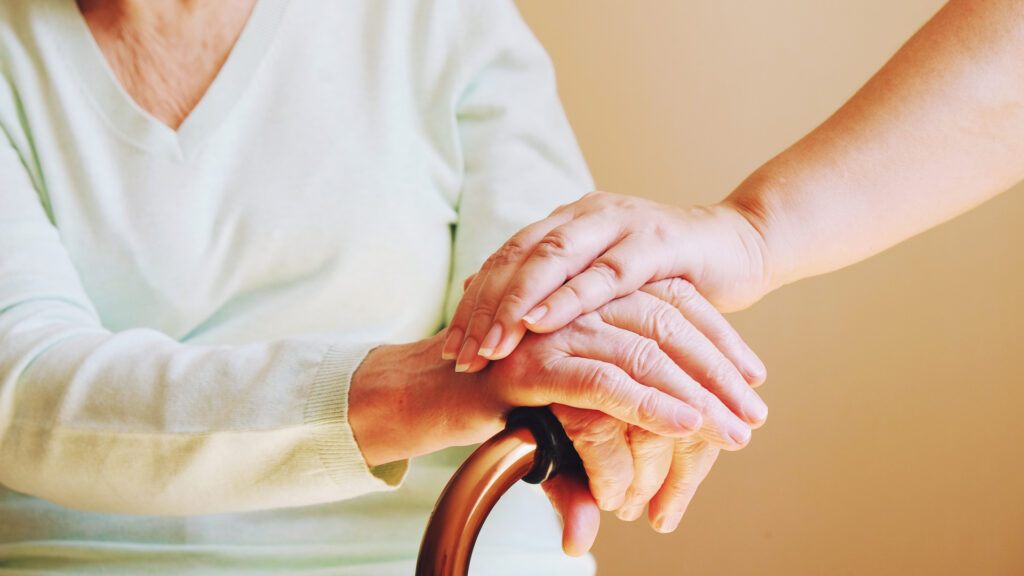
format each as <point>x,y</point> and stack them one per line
<point>533,447</point>
<point>555,451</point>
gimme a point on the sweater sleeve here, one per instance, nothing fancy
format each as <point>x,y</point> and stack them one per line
<point>521,159</point>
<point>137,422</point>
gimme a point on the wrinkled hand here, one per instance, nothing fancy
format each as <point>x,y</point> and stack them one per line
<point>596,249</point>
<point>667,474</point>
<point>664,338</point>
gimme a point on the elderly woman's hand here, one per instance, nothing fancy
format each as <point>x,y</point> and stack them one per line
<point>661,360</point>
<point>629,466</point>
<point>634,359</point>
<point>667,474</point>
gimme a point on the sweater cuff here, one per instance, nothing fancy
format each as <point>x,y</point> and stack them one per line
<point>327,414</point>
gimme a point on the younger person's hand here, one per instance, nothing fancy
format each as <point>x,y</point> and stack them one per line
<point>594,250</point>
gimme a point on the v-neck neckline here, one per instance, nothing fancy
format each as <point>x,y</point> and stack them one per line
<point>131,120</point>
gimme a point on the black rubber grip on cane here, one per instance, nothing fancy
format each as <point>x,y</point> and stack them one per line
<point>555,452</point>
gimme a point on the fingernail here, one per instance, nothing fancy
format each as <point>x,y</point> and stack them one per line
<point>738,431</point>
<point>688,418</point>
<point>466,355</point>
<point>755,410</point>
<point>491,341</point>
<point>451,344</point>
<point>754,370</point>
<point>630,513</point>
<point>535,315</point>
<point>504,347</point>
<point>668,522</point>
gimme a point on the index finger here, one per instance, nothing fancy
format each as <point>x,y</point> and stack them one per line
<point>505,260</point>
<point>561,254</point>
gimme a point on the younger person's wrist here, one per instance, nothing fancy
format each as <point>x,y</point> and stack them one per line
<point>758,223</point>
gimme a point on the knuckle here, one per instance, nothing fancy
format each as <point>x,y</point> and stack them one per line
<point>511,252</point>
<point>483,310</point>
<point>586,326</point>
<point>649,408</point>
<point>607,481</point>
<point>619,479</point>
<point>721,372</point>
<point>569,289</point>
<point>704,402</point>
<point>599,392</point>
<point>598,432</point>
<point>591,385</point>
<point>684,480</point>
<point>492,260</point>
<point>665,323</point>
<point>514,299</point>
<point>610,269</point>
<point>644,487</point>
<point>682,290</point>
<point>601,387</point>
<point>688,451</point>
<point>579,423</point>
<point>681,485</point>
<point>728,338</point>
<point>629,203</point>
<point>662,229</point>
<point>643,356</point>
<point>562,208</point>
<point>556,244</point>
<point>640,439</point>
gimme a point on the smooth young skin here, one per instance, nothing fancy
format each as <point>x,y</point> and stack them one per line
<point>938,130</point>
<point>619,380</point>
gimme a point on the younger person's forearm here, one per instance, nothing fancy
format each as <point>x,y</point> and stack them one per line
<point>939,130</point>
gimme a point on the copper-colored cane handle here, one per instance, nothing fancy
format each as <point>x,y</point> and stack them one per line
<point>533,447</point>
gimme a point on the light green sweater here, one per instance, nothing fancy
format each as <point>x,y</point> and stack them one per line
<point>180,311</point>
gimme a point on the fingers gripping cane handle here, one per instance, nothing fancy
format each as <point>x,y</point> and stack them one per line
<point>533,447</point>
<point>555,451</point>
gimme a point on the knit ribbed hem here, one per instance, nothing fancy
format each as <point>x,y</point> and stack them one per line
<point>327,413</point>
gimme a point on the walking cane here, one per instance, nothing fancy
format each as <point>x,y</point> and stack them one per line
<point>533,447</point>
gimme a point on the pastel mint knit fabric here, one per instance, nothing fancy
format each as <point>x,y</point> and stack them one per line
<point>181,311</point>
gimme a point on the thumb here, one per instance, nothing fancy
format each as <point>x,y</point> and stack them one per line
<point>578,510</point>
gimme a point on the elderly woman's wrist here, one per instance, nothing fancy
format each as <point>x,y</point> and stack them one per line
<point>405,401</point>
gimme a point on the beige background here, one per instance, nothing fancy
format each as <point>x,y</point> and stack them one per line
<point>895,387</point>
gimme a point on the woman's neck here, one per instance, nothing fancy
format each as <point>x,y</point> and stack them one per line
<point>166,53</point>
